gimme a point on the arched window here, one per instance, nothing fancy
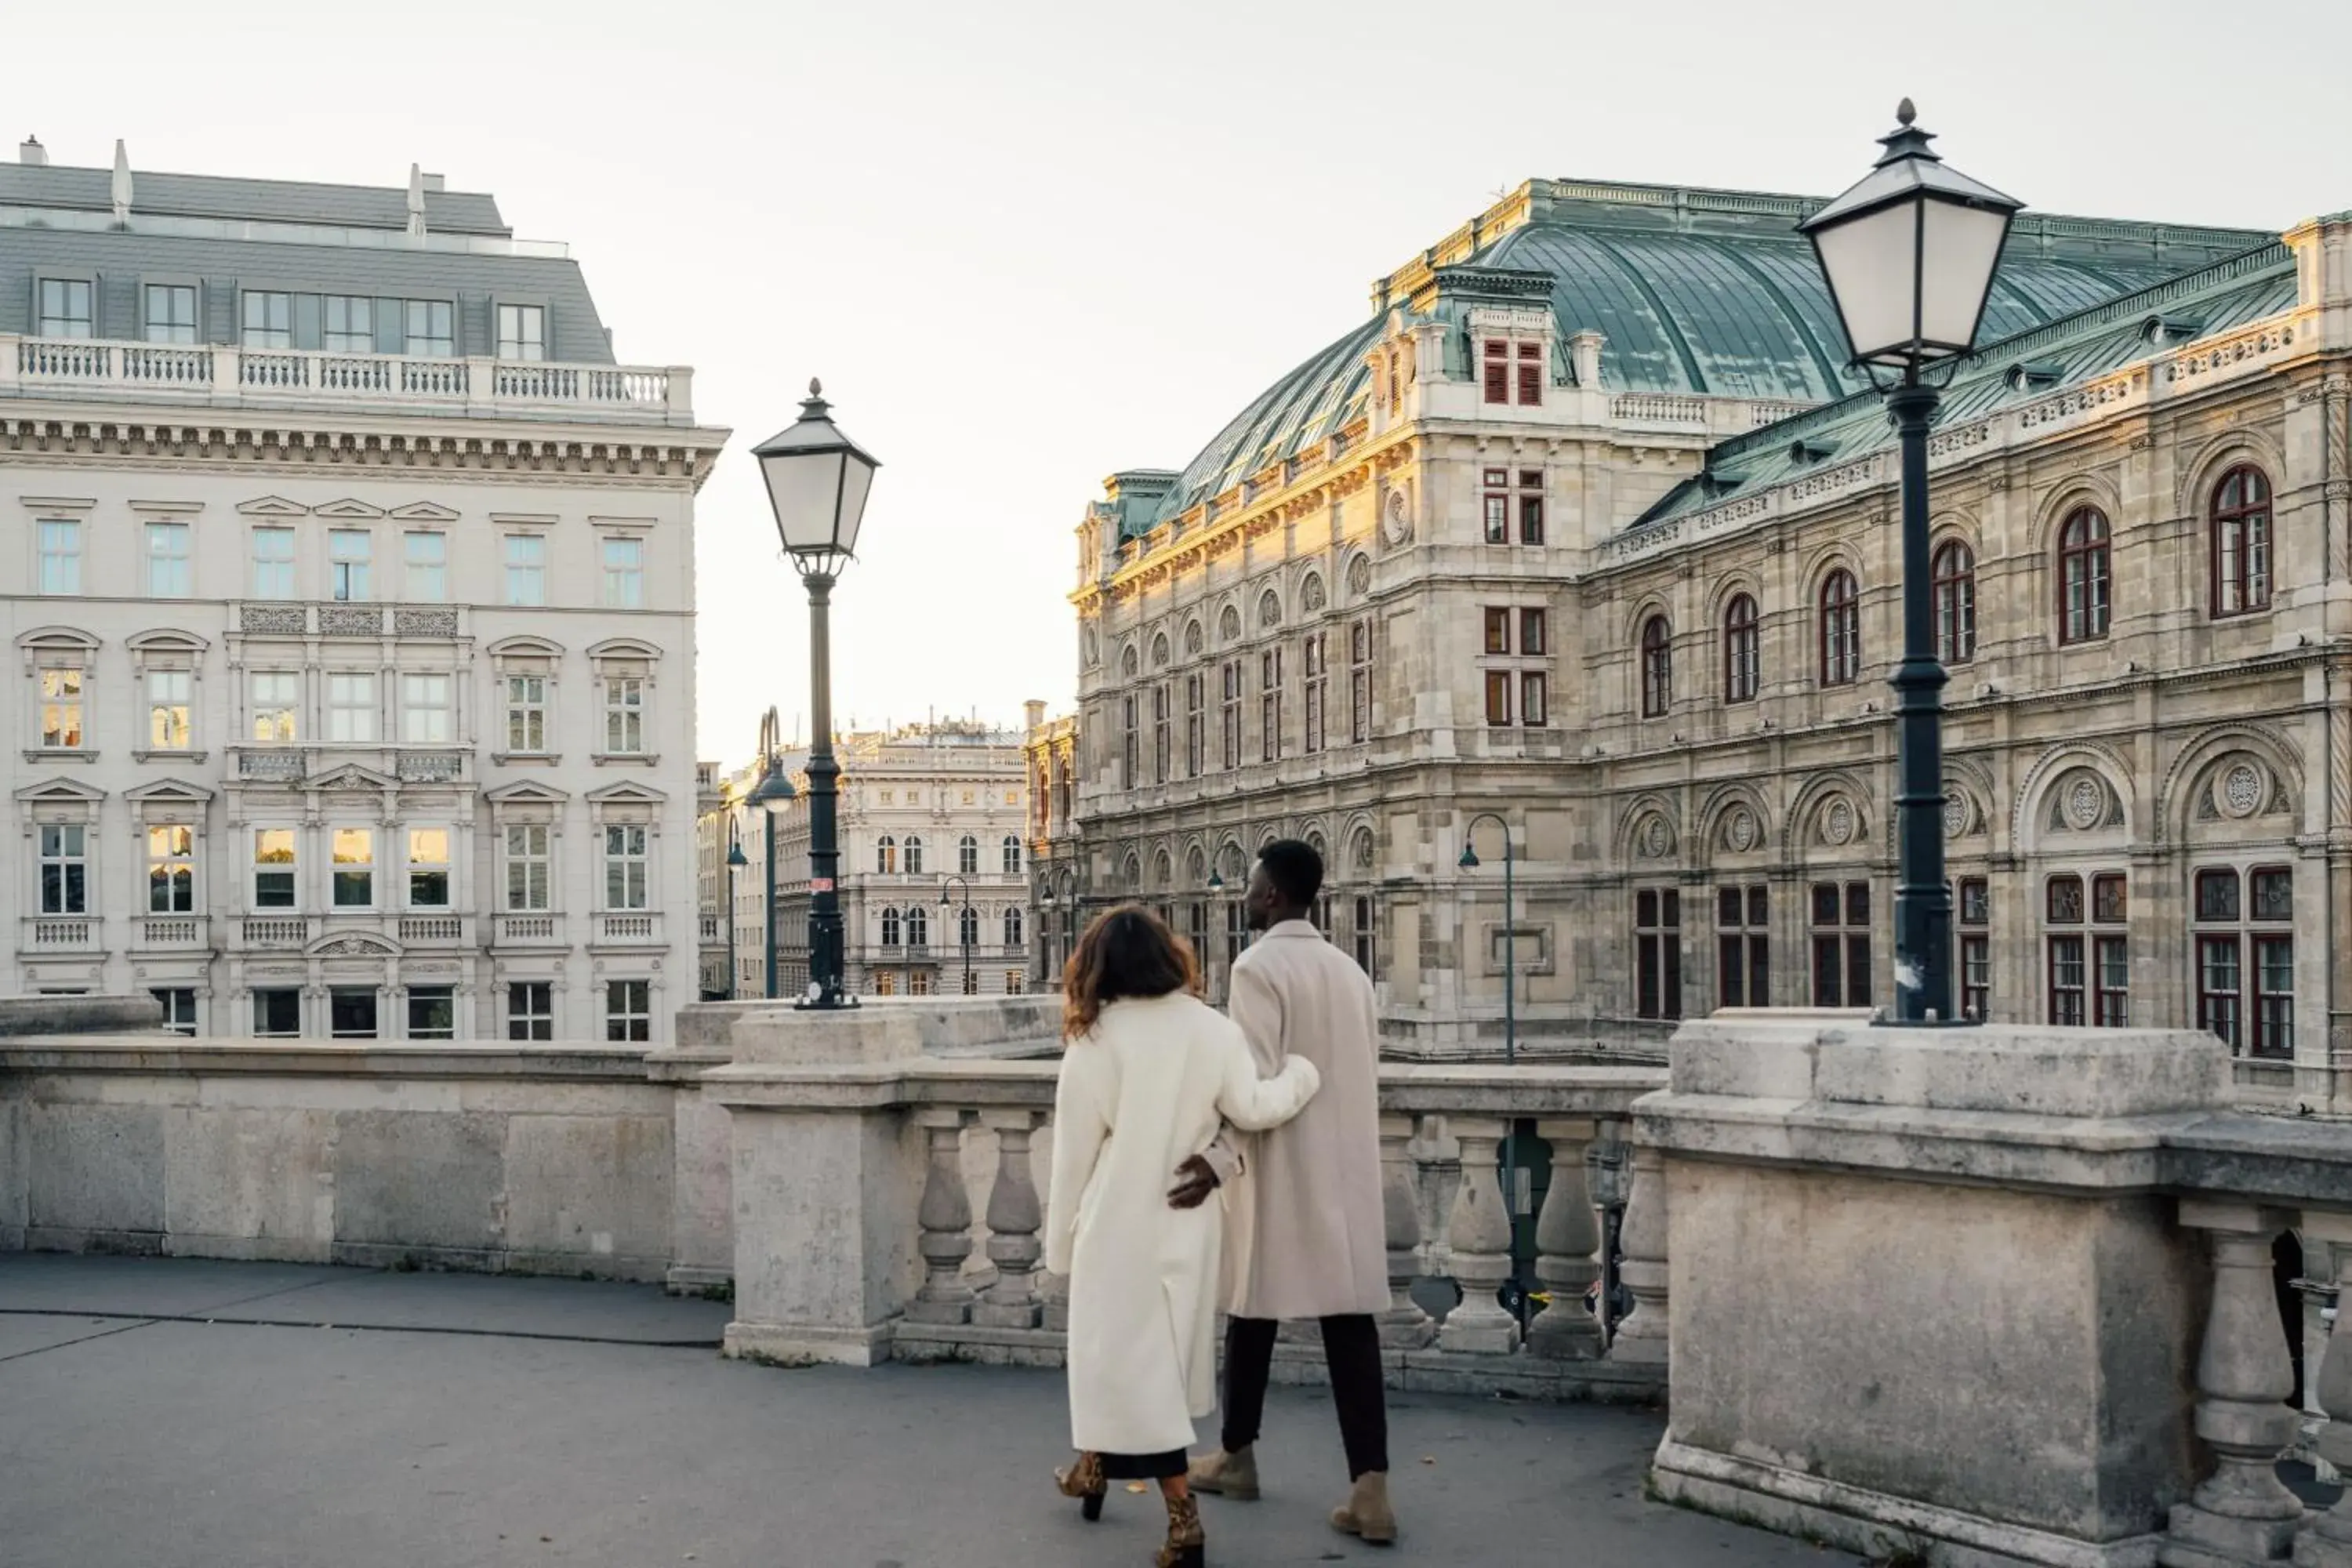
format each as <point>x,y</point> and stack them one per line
<point>2241,542</point>
<point>919,926</point>
<point>1741,651</point>
<point>1012,937</point>
<point>914,855</point>
<point>968,855</point>
<point>1954,580</point>
<point>886,855</point>
<point>1012,854</point>
<point>2082,575</point>
<point>1841,629</point>
<point>889,928</point>
<point>1657,666</point>
<point>968,927</point>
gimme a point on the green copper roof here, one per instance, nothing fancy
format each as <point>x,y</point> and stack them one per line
<point>2032,364</point>
<point>1696,291</point>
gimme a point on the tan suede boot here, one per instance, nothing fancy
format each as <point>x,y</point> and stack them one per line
<point>1225,1475</point>
<point>1366,1513</point>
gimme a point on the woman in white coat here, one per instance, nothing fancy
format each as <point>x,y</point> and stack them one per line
<point>1149,1074</point>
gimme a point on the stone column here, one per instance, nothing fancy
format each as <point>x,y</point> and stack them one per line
<point>1404,1326</point>
<point>2242,1512</point>
<point>2326,1538</point>
<point>1015,1217</point>
<point>1567,1241</point>
<point>1641,1337</point>
<point>944,1216</point>
<point>1479,1235</point>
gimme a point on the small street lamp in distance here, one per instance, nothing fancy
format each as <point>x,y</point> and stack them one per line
<point>818,479</point>
<point>1910,253</point>
<point>736,861</point>
<point>773,797</point>
<point>963,926</point>
<point>1515,1292</point>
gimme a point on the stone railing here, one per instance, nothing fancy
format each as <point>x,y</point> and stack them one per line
<point>216,375</point>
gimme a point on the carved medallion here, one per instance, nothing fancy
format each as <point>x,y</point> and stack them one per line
<point>1311,596</point>
<point>1740,830</point>
<point>1359,576</point>
<point>1655,841</point>
<point>2086,804</point>
<point>1956,814</point>
<point>2242,790</point>
<point>1397,527</point>
<point>1837,823</point>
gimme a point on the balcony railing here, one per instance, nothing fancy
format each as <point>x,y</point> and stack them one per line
<point>712,930</point>
<point>169,933</point>
<point>216,375</point>
<point>629,929</point>
<point>276,931</point>
<point>410,764</point>
<point>530,930</point>
<point>62,933</point>
<point>434,930</point>
<point>344,619</point>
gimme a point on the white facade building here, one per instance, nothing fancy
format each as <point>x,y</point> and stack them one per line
<point>352,585</point>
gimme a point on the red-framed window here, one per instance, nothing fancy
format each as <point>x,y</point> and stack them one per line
<point>2087,943</point>
<point>2241,542</point>
<point>2244,932</point>
<point>1974,919</point>
<point>1658,953</point>
<point>1840,931</point>
<point>1497,504</point>
<point>1841,629</point>
<point>1741,649</point>
<point>1657,667</point>
<point>2085,575</point>
<point>1498,371</point>
<point>1743,944</point>
<point>1953,576</point>
<point>1531,375</point>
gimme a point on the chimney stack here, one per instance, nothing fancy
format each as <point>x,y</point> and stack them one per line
<point>434,184</point>
<point>31,152</point>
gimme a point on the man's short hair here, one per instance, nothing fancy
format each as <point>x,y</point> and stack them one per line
<point>1294,869</point>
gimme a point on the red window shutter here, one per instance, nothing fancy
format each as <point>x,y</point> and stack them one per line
<point>1499,382</point>
<point>1531,384</point>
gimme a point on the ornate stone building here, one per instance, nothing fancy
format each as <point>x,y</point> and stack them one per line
<point>1587,528</point>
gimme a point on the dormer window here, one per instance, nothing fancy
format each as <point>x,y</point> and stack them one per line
<point>66,308</point>
<point>1531,375</point>
<point>267,320</point>
<point>170,312</point>
<point>1502,359</point>
<point>522,331</point>
<point>2035,376</point>
<point>1802,452</point>
<point>431,331</point>
<point>350,324</point>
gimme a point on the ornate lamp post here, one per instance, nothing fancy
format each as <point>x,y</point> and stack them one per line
<point>736,861</point>
<point>1045,938</point>
<point>1515,1292</point>
<point>963,925</point>
<point>773,797</point>
<point>1910,253</point>
<point>818,479</point>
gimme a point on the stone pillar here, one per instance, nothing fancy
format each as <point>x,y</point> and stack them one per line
<point>1479,1236</point>
<point>1641,1337</point>
<point>944,1217</point>
<point>1015,1217</point>
<point>2326,1538</point>
<point>1053,1289</point>
<point>1404,1326</point>
<point>1567,1243</point>
<point>2242,1512</point>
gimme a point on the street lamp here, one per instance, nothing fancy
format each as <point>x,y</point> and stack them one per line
<point>1469,862</point>
<point>773,797</point>
<point>736,861</point>
<point>1045,937</point>
<point>817,482</point>
<point>963,926</point>
<point>1909,254</point>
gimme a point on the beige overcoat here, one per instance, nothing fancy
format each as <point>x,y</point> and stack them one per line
<point>1307,1234</point>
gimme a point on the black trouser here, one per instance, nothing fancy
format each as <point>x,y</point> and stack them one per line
<point>1352,1350</point>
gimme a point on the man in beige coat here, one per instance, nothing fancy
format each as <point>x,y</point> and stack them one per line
<point>1306,1237</point>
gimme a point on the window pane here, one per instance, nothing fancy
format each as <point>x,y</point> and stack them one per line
<point>2273,894</point>
<point>2107,899</point>
<point>2065,900</point>
<point>1825,903</point>
<point>1858,903</point>
<point>2217,895</point>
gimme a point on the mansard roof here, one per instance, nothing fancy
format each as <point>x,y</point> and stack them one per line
<point>1696,291</point>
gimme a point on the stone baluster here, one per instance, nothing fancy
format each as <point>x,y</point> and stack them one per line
<point>1015,1217</point>
<point>2326,1538</point>
<point>1568,1240</point>
<point>944,1216</point>
<point>1479,1235</point>
<point>1054,1290</point>
<point>2240,1513</point>
<point>1641,1337</point>
<point>1404,1326</point>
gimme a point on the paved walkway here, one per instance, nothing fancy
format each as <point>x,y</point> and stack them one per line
<point>175,1413</point>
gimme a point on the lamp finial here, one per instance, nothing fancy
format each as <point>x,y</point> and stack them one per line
<point>1906,112</point>
<point>816,387</point>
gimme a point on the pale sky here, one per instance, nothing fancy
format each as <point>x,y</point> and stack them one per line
<point>1027,244</point>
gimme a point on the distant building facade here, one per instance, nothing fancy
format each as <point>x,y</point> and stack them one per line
<point>353,594</point>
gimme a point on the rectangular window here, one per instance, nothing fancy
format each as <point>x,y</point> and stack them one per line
<point>277,694</point>
<point>1743,946</point>
<point>278,1013</point>
<point>1533,706</point>
<point>628,1010</point>
<point>350,706</point>
<point>1498,698</point>
<point>1658,953</point>
<point>354,868</point>
<point>425,718</point>
<point>267,320</point>
<point>172,869</point>
<point>1498,630</point>
<point>273,563</point>
<point>179,1009</point>
<point>273,868</point>
<point>1976,948</point>
<point>1497,506</point>
<point>527,713</point>
<point>60,543</point>
<point>1269,704</point>
<point>171,315</point>
<point>428,867</point>
<point>1317,686</point>
<point>528,880</point>
<point>624,715</point>
<point>1367,937</point>
<point>425,567</point>
<point>349,552</point>
<point>66,308</point>
<point>1841,933</point>
<point>522,331</point>
<point>1532,632</point>
<point>61,709</point>
<point>432,1013</point>
<point>2088,950</point>
<point>2068,981</point>
<point>170,698</point>
<point>350,324</point>
<point>168,575</point>
<point>431,331</point>
<point>1497,377</point>
<point>531,1010</point>
<point>2246,972</point>
<point>65,869</point>
<point>624,574</point>
<point>1230,715</point>
<point>350,1012</point>
<point>624,867</point>
<point>526,564</point>
<point>1196,726</point>
<point>1159,734</point>
<point>1532,374</point>
<point>1359,682</point>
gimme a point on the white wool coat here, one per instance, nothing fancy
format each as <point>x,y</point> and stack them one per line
<point>1148,1086</point>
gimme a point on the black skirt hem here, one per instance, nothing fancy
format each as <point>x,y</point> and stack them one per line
<point>1143,1466</point>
